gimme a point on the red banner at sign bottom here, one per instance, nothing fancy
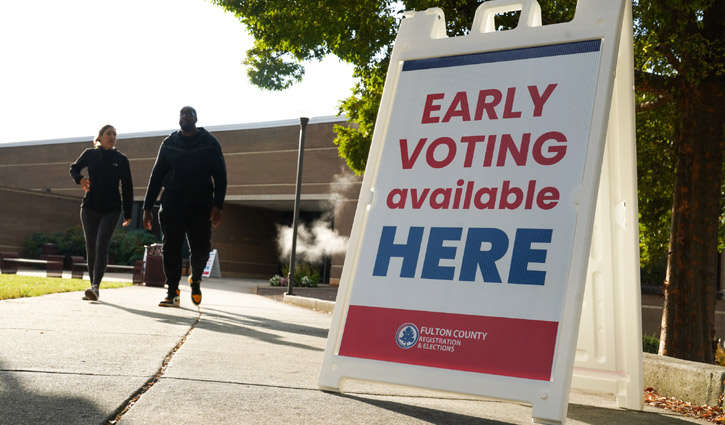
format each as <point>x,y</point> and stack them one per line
<point>518,348</point>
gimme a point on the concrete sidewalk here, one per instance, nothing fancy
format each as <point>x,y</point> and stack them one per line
<point>239,359</point>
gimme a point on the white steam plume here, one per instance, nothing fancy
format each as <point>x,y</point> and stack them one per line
<point>313,243</point>
<point>318,240</point>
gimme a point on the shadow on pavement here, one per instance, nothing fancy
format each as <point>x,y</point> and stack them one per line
<point>603,416</point>
<point>233,324</point>
<point>582,413</point>
<point>267,323</point>
<point>163,317</point>
<point>432,416</point>
<point>249,326</point>
<point>18,405</point>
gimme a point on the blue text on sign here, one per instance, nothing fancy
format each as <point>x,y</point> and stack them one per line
<point>474,257</point>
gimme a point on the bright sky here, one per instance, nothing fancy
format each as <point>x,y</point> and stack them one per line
<point>69,67</point>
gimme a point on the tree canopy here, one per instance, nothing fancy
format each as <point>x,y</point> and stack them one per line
<point>360,33</point>
<point>680,89</point>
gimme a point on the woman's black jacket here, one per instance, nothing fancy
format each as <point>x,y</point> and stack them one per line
<point>106,168</point>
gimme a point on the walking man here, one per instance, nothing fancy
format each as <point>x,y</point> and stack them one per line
<point>190,166</point>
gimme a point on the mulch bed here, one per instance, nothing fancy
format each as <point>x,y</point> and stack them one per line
<point>709,413</point>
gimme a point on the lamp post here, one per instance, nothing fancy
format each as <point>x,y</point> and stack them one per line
<point>300,154</point>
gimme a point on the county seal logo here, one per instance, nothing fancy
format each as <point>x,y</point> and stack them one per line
<point>407,335</point>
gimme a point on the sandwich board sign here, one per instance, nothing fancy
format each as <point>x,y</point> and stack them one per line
<point>212,268</point>
<point>467,262</point>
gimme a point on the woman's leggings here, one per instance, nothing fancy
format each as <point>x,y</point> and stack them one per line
<point>98,229</point>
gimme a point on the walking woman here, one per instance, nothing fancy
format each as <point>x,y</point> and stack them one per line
<point>101,207</point>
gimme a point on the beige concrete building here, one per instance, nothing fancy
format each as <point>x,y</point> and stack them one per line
<point>38,194</point>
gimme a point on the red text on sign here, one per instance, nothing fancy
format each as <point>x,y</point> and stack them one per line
<point>507,197</point>
<point>444,150</point>
<point>486,101</point>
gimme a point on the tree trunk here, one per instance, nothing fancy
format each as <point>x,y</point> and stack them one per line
<point>690,285</point>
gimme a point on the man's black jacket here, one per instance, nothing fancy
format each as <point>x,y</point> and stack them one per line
<point>105,169</point>
<point>191,170</point>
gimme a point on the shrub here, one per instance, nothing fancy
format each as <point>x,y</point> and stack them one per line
<point>126,247</point>
<point>719,355</point>
<point>33,244</point>
<point>70,242</point>
<point>650,344</point>
<point>306,274</point>
<point>275,280</point>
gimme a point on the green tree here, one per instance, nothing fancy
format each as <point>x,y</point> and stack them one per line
<point>680,64</point>
<point>655,179</point>
<point>360,33</point>
<point>287,34</point>
<point>679,71</point>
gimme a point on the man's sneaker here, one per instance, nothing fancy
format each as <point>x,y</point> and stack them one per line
<point>195,291</point>
<point>170,301</point>
<point>91,294</point>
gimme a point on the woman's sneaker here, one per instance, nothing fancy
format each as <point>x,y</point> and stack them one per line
<point>170,301</point>
<point>91,294</point>
<point>195,291</point>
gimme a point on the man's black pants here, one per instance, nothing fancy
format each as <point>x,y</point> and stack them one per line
<point>190,222</point>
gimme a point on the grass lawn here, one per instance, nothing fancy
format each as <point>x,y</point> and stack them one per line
<point>14,286</point>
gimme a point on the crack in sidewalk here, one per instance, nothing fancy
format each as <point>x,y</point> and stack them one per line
<point>129,402</point>
<point>60,372</point>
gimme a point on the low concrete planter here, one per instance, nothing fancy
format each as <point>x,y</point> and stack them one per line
<point>321,292</point>
<point>698,383</point>
<point>310,303</point>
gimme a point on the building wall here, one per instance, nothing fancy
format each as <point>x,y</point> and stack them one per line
<point>262,170</point>
<point>246,242</point>
<point>23,212</point>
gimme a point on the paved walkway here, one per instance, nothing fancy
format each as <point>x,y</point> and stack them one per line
<point>240,359</point>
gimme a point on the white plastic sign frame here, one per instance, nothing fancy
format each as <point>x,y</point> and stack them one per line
<point>609,346</point>
<point>469,278</point>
